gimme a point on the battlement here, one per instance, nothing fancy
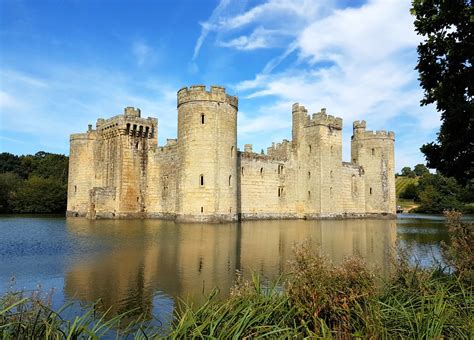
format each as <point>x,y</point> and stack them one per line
<point>280,150</point>
<point>298,108</point>
<point>199,93</point>
<point>321,118</point>
<point>360,132</point>
<point>132,112</point>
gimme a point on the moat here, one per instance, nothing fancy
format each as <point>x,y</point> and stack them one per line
<point>150,264</point>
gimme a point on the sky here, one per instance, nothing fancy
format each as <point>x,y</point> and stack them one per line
<point>63,64</point>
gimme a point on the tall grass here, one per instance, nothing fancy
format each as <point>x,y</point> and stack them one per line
<point>315,299</point>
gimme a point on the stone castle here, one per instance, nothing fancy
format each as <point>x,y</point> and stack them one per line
<point>118,170</point>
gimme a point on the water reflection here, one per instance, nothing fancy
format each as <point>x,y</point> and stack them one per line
<point>142,258</point>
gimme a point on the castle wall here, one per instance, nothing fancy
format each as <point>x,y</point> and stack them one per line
<point>207,146</point>
<point>266,187</point>
<point>119,171</point>
<point>81,172</point>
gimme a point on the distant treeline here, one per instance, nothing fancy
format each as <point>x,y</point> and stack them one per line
<point>33,183</point>
<point>435,193</point>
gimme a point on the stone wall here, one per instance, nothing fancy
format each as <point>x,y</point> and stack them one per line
<point>119,171</point>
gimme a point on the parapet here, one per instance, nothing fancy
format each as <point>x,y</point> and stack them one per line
<point>280,150</point>
<point>132,112</point>
<point>321,118</point>
<point>199,93</point>
<point>298,108</point>
<point>360,132</point>
<point>248,148</point>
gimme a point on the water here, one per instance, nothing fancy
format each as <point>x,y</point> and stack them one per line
<point>150,264</point>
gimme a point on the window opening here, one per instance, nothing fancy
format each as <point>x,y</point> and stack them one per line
<point>201,180</point>
<point>230,180</point>
<point>202,210</point>
<point>231,151</point>
<point>370,191</point>
<point>202,118</point>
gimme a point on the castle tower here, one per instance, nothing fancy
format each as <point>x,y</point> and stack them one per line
<point>374,151</point>
<point>207,152</point>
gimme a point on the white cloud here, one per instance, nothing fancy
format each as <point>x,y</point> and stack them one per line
<point>356,61</point>
<point>142,52</point>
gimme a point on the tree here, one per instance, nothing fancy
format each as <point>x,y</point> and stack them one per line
<point>9,181</point>
<point>420,170</point>
<point>407,171</point>
<point>446,75</point>
<point>437,193</point>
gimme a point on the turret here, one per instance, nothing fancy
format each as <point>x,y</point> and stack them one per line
<point>374,151</point>
<point>207,152</point>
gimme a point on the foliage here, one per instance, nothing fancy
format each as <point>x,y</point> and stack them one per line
<point>459,253</point>
<point>8,183</point>
<point>408,172</point>
<point>437,193</point>
<point>402,182</point>
<point>445,68</point>
<point>410,192</point>
<point>33,183</point>
<point>420,170</point>
<point>39,195</point>
<point>323,291</point>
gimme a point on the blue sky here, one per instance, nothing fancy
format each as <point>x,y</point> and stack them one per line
<point>63,64</point>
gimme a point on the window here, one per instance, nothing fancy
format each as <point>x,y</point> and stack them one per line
<point>310,148</point>
<point>373,151</point>
<point>370,191</point>
<point>330,174</point>
<point>261,172</point>
<point>202,118</point>
<point>309,174</point>
<point>75,188</point>
<point>332,150</point>
<point>230,180</point>
<point>231,151</point>
<point>201,180</point>
<point>280,169</point>
<point>280,191</point>
<point>242,170</point>
<point>309,194</point>
<point>202,210</point>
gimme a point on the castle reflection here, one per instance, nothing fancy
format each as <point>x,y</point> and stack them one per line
<point>133,261</point>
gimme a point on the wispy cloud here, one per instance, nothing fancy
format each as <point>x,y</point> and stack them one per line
<point>357,61</point>
<point>142,52</point>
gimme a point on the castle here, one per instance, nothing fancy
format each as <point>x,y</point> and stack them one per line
<point>118,170</point>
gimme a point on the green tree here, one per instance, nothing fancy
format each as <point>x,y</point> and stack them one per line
<point>437,193</point>
<point>420,170</point>
<point>9,182</point>
<point>407,171</point>
<point>446,75</point>
<point>410,192</point>
<point>39,195</point>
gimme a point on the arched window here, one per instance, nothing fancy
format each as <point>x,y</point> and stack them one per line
<point>201,180</point>
<point>202,118</point>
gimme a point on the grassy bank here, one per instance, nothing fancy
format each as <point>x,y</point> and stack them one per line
<point>315,299</point>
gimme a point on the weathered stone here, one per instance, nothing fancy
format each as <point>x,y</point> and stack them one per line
<point>119,171</point>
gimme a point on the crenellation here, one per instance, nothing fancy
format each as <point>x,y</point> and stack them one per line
<point>118,170</point>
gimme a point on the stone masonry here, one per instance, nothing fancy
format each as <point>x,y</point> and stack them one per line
<point>118,170</point>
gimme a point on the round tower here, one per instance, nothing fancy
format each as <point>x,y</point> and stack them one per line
<point>207,151</point>
<point>374,151</point>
